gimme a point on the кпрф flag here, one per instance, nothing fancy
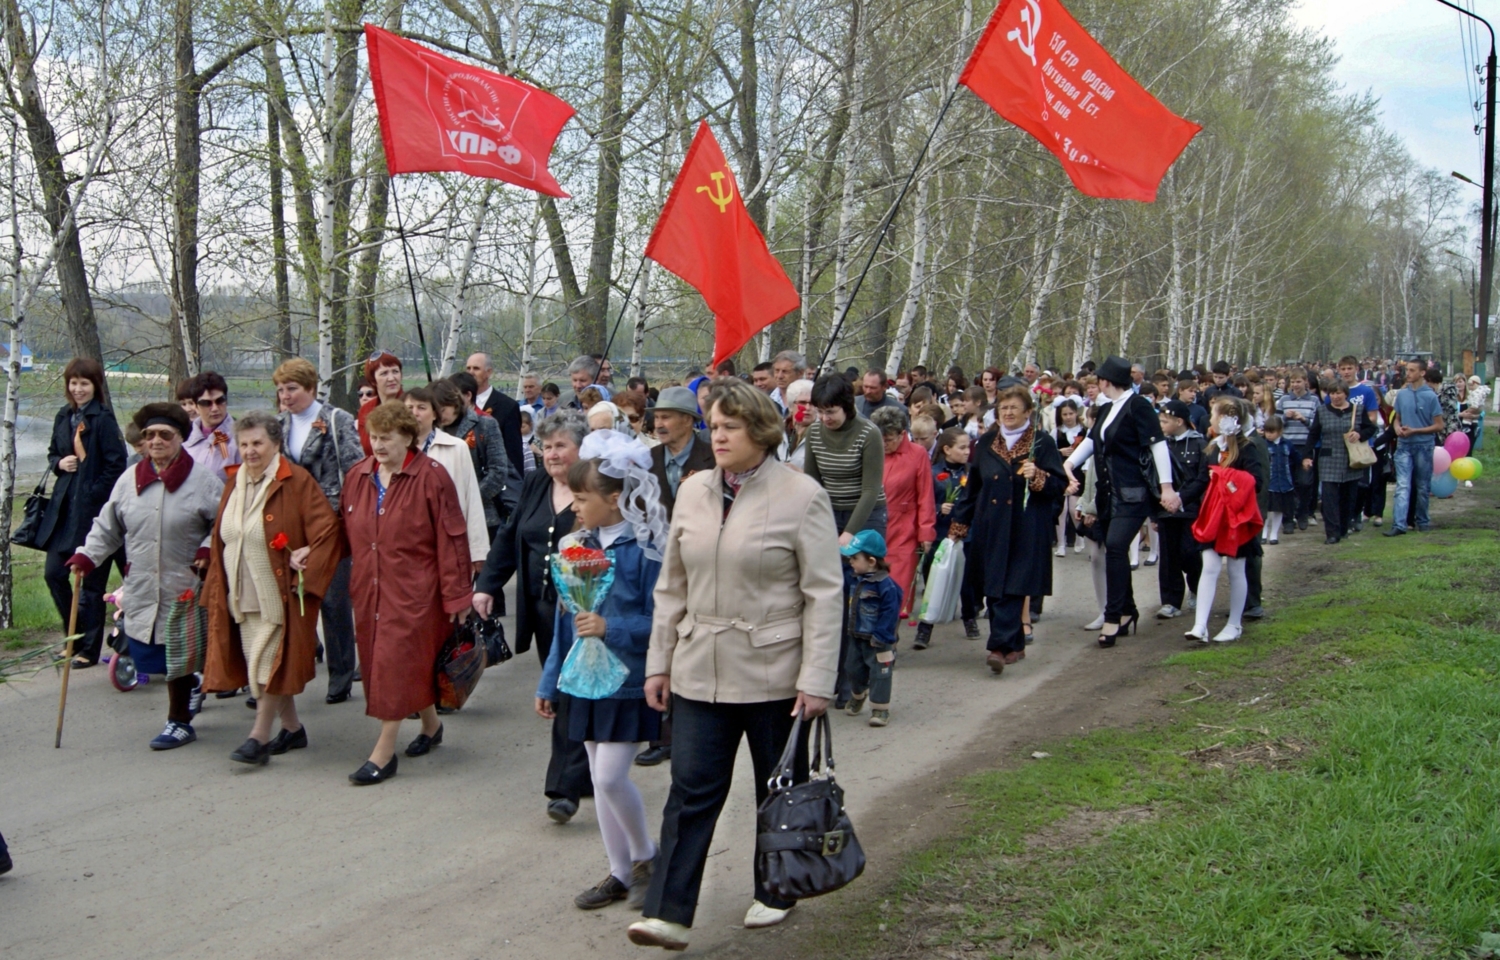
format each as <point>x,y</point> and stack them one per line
<point>1043,72</point>
<point>706,237</point>
<point>439,114</point>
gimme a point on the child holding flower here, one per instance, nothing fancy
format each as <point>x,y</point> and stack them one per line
<point>614,552</point>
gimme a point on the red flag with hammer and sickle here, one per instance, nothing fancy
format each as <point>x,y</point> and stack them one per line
<point>706,237</point>
<point>439,114</point>
<point>1043,72</point>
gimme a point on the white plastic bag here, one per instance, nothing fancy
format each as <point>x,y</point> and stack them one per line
<point>944,581</point>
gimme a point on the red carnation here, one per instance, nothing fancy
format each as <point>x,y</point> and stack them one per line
<point>943,477</point>
<point>185,596</point>
<point>279,542</point>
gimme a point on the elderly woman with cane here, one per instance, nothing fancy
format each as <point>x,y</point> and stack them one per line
<point>162,513</point>
<point>275,549</point>
<point>745,637</point>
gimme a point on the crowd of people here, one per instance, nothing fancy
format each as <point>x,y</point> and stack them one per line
<point>768,539</point>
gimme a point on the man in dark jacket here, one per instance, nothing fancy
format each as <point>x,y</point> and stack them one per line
<point>506,411</point>
<point>1181,560</point>
<point>683,450</point>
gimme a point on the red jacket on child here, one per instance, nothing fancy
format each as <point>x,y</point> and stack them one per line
<point>1229,517</point>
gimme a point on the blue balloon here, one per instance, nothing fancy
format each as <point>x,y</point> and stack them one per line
<point>1444,485</point>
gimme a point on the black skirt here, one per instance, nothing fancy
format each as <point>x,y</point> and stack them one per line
<point>613,721</point>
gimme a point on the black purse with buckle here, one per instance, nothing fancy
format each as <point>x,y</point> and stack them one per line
<point>805,845</point>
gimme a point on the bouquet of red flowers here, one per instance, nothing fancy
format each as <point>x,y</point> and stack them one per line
<point>583,575</point>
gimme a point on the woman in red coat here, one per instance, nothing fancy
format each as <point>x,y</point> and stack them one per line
<point>411,581</point>
<point>912,523</point>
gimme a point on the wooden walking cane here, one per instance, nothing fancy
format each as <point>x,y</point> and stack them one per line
<point>62,699</point>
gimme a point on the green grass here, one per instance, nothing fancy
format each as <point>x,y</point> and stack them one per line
<point>1351,811</point>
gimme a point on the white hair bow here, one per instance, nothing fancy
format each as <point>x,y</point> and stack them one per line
<point>628,459</point>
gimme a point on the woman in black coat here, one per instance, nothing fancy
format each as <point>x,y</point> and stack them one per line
<point>523,548</point>
<point>1011,528</point>
<point>1125,441</point>
<point>87,455</point>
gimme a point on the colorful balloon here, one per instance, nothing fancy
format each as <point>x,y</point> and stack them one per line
<point>1444,486</point>
<point>1457,444</point>
<point>1442,461</point>
<point>1464,468</point>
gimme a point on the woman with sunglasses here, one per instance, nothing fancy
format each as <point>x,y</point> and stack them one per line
<point>633,406</point>
<point>211,442</point>
<point>383,375</point>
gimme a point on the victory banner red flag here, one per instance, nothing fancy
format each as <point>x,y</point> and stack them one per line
<point>439,114</point>
<point>706,237</point>
<point>1041,71</point>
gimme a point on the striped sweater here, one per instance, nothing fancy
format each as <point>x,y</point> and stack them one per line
<point>850,465</point>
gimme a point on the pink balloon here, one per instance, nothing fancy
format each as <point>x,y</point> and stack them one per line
<point>1457,445</point>
<point>1441,461</point>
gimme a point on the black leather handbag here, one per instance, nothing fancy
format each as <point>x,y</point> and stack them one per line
<point>28,534</point>
<point>805,845</point>
<point>491,634</point>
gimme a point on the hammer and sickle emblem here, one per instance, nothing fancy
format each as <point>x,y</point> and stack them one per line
<point>1031,17</point>
<point>725,191</point>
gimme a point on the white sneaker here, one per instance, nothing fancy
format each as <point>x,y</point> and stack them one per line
<point>1192,602</point>
<point>659,933</point>
<point>760,915</point>
<point>1167,612</point>
<point>1230,632</point>
<point>1078,547</point>
<point>1196,634</point>
<point>1062,551</point>
<point>1095,623</point>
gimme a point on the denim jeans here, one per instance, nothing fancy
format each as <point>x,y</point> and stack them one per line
<point>869,676</point>
<point>1413,477</point>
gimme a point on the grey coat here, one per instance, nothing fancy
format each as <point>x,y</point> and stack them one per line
<point>500,488</point>
<point>162,533</point>
<point>327,454</point>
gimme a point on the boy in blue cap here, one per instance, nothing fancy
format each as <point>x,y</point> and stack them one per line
<point>874,612</point>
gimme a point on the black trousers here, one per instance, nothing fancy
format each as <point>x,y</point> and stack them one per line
<point>1006,635</point>
<point>1339,501</point>
<point>568,771</point>
<point>707,739</point>
<point>1304,488</point>
<point>1118,536</point>
<point>91,618</point>
<point>1181,560</point>
<point>1375,493</point>
<point>339,649</point>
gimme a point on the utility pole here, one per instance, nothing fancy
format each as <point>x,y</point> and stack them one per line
<point>1487,224</point>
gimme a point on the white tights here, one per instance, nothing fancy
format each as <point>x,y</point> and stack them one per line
<point>1273,525</point>
<point>1096,567</point>
<point>618,806</point>
<point>1152,543</point>
<point>1208,583</point>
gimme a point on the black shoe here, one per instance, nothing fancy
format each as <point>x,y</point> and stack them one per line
<point>971,630</point>
<point>1393,532</point>
<point>1331,540</point>
<point>602,895</point>
<point>1255,613</point>
<point>289,740</point>
<point>252,751</point>
<point>1359,526</point>
<point>652,756</point>
<point>334,698</point>
<point>924,636</point>
<point>250,702</point>
<point>5,862</point>
<point>230,694</point>
<point>318,653</point>
<point>561,810</point>
<point>640,879</point>
<point>369,773</point>
<point>1027,633</point>
<point>1301,524</point>
<point>423,745</point>
<point>444,711</point>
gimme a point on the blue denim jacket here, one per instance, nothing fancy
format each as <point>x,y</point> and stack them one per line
<point>627,613</point>
<point>875,609</point>
<point>1282,453</point>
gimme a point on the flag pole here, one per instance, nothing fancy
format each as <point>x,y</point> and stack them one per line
<point>624,305</point>
<point>411,284</point>
<point>885,226</point>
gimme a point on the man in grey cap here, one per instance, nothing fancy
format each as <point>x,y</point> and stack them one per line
<point>683,451</point>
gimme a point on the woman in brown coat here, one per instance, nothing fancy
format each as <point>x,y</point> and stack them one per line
<point>412,580</point>
<point>274,525</point>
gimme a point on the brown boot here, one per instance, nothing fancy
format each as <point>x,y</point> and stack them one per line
<point>996,662</point>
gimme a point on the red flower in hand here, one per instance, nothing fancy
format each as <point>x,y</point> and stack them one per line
<point>279,542</point>
<point>581,554</point>
<point>185,596</point>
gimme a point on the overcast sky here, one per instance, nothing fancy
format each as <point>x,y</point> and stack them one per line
<point>1409,54</point>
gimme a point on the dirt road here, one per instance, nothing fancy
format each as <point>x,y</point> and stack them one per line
<point>122,852</point>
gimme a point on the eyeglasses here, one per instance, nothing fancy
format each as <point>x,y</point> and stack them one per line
<point>212,401</point>
<point>159,433</point>
<point>634,419</point>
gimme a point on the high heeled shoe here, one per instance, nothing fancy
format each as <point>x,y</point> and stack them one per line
<point>1128,624</point>
<point>1196,634</point>
<point>1230,633</point>
<point>1106,637</point>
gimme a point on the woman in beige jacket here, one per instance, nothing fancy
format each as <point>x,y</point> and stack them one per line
<point>745,636</point>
